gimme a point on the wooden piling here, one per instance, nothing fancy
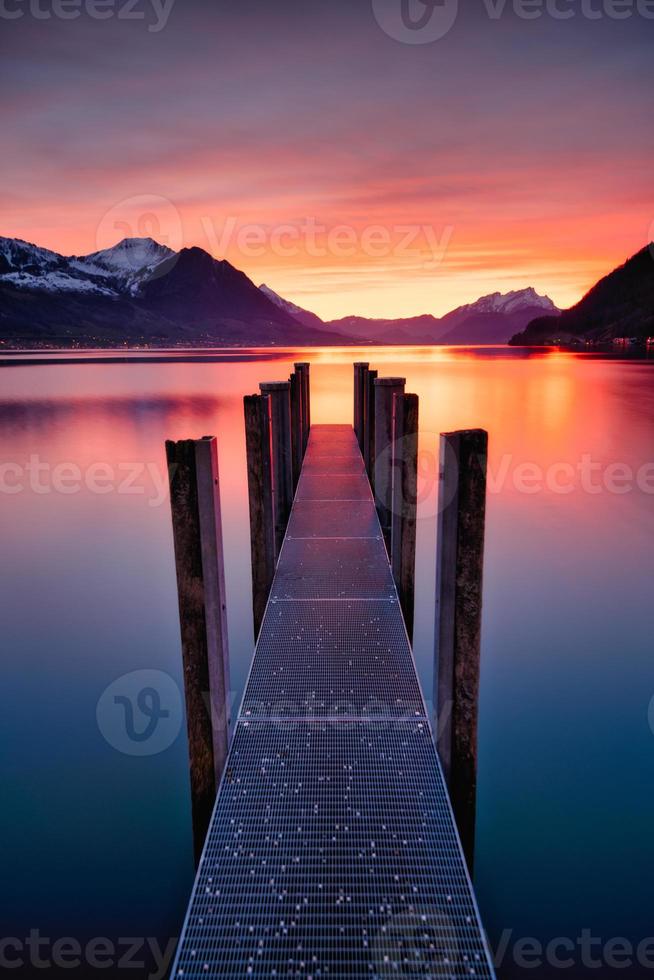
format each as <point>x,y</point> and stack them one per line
<point>369,424</point>
<point>197,534</point>
<point>304,368</point>
<point>405,502</point>
<point>385,389</point>
<point>282,455</point>
<point>360,370</point>
<point>459,579</point>
<point>262,527</point>
<point>297,434</point>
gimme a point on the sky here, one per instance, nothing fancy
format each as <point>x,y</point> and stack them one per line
<point>372,157</point>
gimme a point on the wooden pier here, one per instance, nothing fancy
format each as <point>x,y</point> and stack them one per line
<point>332,850</point>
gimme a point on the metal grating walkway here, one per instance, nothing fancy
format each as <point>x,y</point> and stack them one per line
<point>332,850</point>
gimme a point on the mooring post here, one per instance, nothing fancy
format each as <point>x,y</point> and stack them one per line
<point>302,368</point>
<point>369,423</point>
<point>199,563</point>
<point>405,502</point>
<point>459,579</point>
<point>360,370</point>
<point>282,455</point>
<point>297,434</point>
<point>262,525</point>
<point>385,389</point>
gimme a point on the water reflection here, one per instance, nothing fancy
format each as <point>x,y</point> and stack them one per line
<point>88,594</point>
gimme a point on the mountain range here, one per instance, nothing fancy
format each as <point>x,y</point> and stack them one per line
<point>491,319</point>
<point>138,292</point>
<point>142,293</point>
<point>619,305</point>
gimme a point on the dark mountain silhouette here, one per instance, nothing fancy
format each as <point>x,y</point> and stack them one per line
<point>422,329</point>
<point>619,305</point>
<point>211,296</point>
<point>137,293</point>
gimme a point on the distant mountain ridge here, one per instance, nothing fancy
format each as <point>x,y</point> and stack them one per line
<point>492,319</point>
<point>619,305</point>
<point>140,292</point>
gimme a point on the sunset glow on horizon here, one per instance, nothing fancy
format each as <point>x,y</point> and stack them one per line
<point>352,173</point>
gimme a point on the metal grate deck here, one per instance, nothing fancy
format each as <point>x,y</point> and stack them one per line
<point>335,464</point>
<point>332,851</point>
<point>333,568</point>
<point>333,519</point>
<point>343,486</point>
<point>333,659</point>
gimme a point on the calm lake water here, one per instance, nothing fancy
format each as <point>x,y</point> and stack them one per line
<point>97,842</point>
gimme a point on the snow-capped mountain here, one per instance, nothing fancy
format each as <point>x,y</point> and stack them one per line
<point>508,303</point>
<point>111,272</point>
<point>138,292</point>
<point>26,266</point>
<point>15,255</point>
<point>300,314</point>
<point>495,318</point>
<point>278,300</point>
<point>128,263</point>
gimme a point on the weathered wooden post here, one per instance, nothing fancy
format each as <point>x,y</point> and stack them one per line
<point>369,423</point>
<point>385,389</point>
<point>405,502</point>
<point>282,455</point>
<point>302,369</point>
<point>297,434</point>
<point>197,533</point>
<point>459,579</point>
<point>360,370</point>
<point>262,526</point>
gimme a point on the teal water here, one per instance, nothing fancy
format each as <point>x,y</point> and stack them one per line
<point>96,842</point>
